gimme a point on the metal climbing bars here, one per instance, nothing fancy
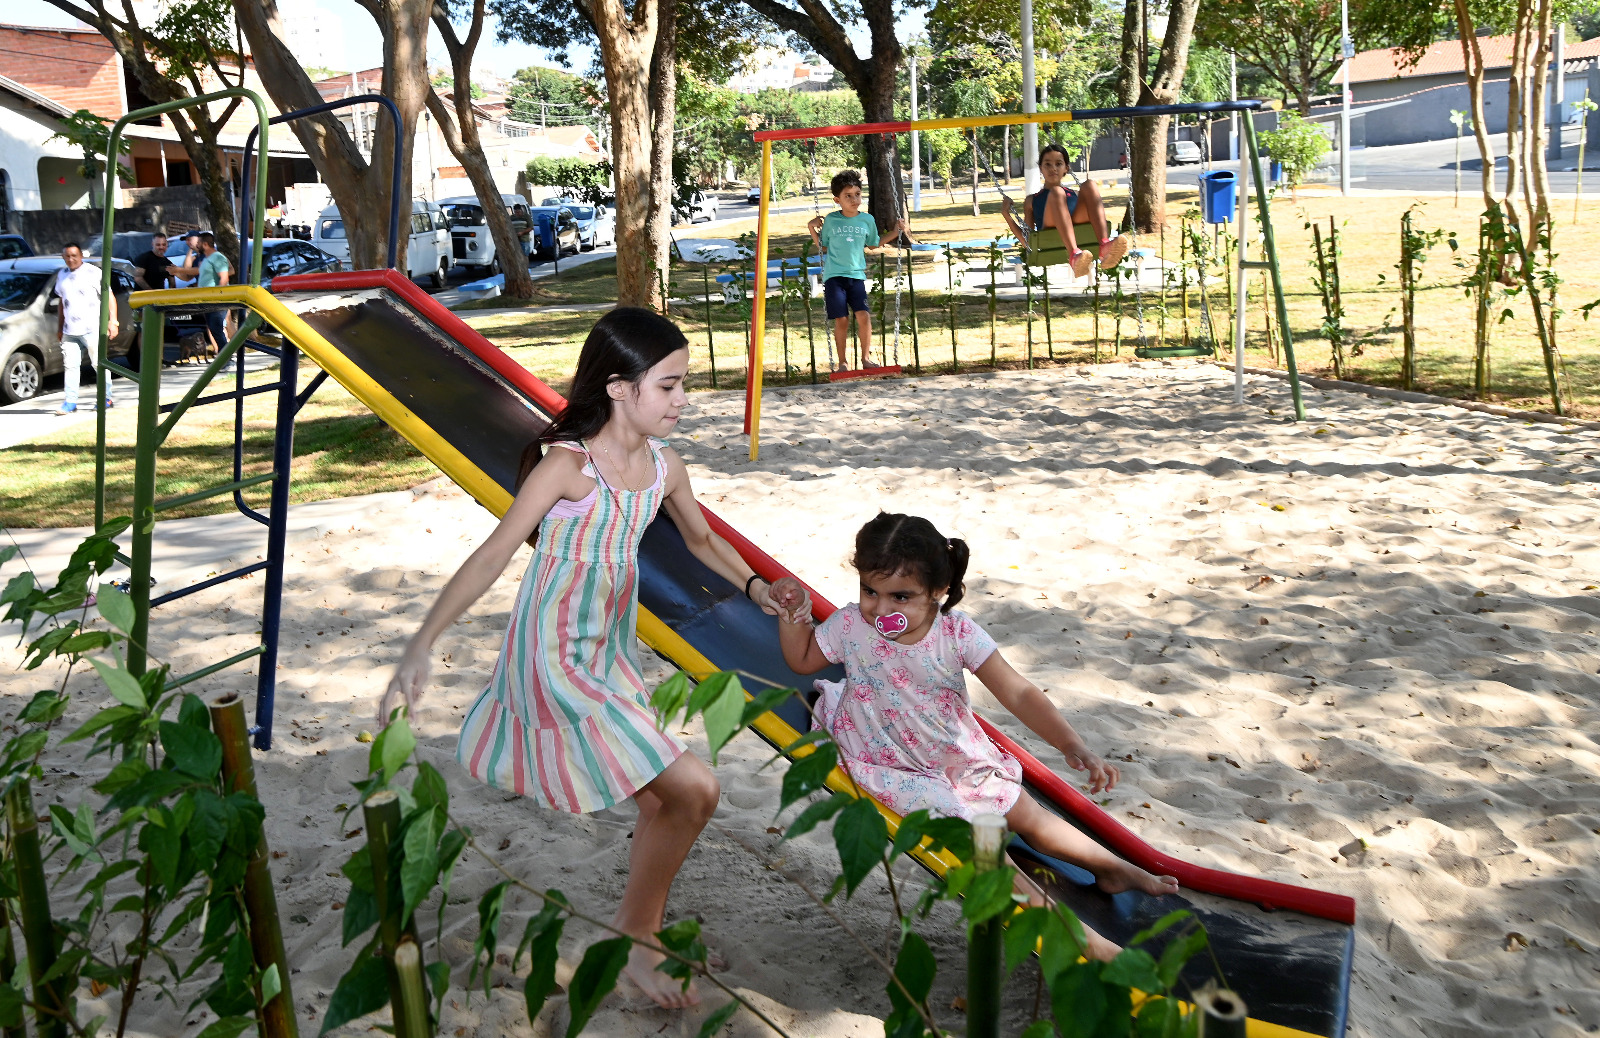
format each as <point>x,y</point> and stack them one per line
<point>1250,169</point>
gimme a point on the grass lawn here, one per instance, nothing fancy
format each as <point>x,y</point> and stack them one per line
<point>342,450</point>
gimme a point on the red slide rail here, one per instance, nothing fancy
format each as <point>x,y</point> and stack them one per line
<point>1266,893</point>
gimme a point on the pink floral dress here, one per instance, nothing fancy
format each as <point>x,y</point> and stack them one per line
<point>902,721</point>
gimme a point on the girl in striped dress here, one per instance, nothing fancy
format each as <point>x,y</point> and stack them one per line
<point>565,720</point>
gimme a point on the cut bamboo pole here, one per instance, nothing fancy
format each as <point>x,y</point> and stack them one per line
<point>8,964</point>
<point>382,813</point>
<point>411,1012</point>
<point>985,955</point>
<point>33,894</point>
<point>260,901</point>
<point>1222,1013</point>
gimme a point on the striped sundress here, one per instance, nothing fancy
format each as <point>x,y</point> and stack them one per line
<point>565,719</point>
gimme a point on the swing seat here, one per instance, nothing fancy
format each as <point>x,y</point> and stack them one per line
<point>1046,248</point>
<point>888,371</point>
<point>1167,352</point>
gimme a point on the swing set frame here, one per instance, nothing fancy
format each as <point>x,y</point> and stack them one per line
<point>1249,175</point>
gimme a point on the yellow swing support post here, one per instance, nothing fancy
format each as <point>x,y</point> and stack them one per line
<point>758,303</point>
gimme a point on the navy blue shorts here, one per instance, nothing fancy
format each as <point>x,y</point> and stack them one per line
<point>843,296</point>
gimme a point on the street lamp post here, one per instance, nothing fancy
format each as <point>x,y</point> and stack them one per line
<point>1349,52</point>
<point>916,139</point>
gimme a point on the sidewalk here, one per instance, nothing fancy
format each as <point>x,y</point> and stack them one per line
<point>34,418</point>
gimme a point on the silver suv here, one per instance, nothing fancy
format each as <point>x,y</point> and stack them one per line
<point>29,312</point>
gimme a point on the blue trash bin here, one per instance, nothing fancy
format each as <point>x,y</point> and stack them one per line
<point>1219,196</point>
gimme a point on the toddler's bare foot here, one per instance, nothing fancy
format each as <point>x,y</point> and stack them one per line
<point>1127,876</point>
<point>666,992</point>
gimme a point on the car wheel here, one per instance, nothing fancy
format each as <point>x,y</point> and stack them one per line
<point>495,267</point>
<point>21,377</point>
<point>438,278</point>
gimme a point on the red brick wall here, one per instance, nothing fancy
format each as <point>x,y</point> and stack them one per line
<point>75,69</point>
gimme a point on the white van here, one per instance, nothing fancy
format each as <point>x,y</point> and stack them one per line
<point>427,253</point>
<point>471,243</point>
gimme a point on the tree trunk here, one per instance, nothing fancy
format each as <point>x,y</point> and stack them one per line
<point>1472,58</point>
<point>627,46</point>
<point>663,108</point>
<point>461,135</point>
<point>360,189</point>
<point>872,78</point>
<point>1147,161</point>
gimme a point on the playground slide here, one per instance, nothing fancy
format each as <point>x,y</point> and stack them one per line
<point>470,409</point>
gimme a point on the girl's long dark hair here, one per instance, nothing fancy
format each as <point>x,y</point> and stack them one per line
<point>910,545</point>
<point>1059,150</point>
<point>623,345</point>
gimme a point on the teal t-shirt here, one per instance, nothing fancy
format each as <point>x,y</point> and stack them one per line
<point>846,238</point>
<point>211,269</point>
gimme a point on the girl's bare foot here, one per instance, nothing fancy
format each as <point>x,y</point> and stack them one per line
<point>666,992</point>
<point>1100,948</point>
<point>1127,876</point>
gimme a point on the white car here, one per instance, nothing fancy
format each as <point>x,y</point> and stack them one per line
<point>428,253</point>
<point>1183,153</point>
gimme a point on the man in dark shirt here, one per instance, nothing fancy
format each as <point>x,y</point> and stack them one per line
<point>154,267</point>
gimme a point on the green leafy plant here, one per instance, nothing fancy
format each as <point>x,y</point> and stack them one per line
<point>1297,146</point>
<point>169,846</point>
<point>584,180</point>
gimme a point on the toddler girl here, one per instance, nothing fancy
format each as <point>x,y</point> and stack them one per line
<point>901,720</point>
<point>565,720</point>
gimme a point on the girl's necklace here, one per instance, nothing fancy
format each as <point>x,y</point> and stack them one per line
<point>622,473</point>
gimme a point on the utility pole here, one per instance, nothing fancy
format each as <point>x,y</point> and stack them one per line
<point>1030,102</point>
<point>1558,84</point>
<point>1349,51</point>
<point>1233,95</point>
<point>916,138</point>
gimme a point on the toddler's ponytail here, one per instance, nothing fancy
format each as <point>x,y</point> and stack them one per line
<point>958,572</point>
<point>909,544</point>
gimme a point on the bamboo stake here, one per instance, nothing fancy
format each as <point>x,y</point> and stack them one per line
<point>260,901</point>
<point>1027,279</point>
<point>811,335</point>
<point>1095,276</point>
<point>411,1013</point>
<point>1049,337</point>
<point>950,287</point>
<point>1183,274</point>
<point>985,957</point>
<point>33,895</point>
<point>8,964</point>
<point>911,292</point>
<point>1408,304</point>
<point>382,813</point>
<point>994,271</point>
<point>1222,1013</point>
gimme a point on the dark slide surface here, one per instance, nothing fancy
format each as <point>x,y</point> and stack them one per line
<point>1290,968</point>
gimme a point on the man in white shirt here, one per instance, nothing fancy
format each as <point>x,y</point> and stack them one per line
<point>78,322</point>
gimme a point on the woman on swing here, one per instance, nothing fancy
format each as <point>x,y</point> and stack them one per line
<point>1058,206</point>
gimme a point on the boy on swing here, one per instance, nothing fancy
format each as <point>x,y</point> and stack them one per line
<point>1079,216</point>
<point>842,236</point>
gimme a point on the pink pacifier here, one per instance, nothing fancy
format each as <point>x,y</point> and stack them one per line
<point>891,626</point>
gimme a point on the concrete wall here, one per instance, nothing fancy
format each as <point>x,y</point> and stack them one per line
<point>1429,101</point>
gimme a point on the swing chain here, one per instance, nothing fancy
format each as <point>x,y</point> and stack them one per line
<point>1133,241</point>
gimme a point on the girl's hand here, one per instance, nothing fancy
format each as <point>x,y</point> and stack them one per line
<point>405,688</point>
<point>1102,776</point>
<point>790,601</point>
<point>1005,205</point>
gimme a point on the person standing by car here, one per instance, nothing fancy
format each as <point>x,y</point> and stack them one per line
<point>78,321</point>
<point>155,270</point>
<point>214,273</point>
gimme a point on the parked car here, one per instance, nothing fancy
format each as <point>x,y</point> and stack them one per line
<point>1183,153</point>
<point>14,246</point>
<point>471,243</point>
<point>30,349</point>
<point>701,207</point>
<point>566,200</point>
<point>428,252</point>
<point>753,196</point>
<point>596,225</point>
<point>556,231</point>
<point>278,256</point>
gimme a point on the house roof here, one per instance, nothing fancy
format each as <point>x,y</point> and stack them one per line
<point>34,98</point>
<point>579,137</point>
<point>335,87</point>
<point>1444,58</point>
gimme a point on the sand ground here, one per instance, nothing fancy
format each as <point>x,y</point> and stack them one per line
<point>1378,625</point>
